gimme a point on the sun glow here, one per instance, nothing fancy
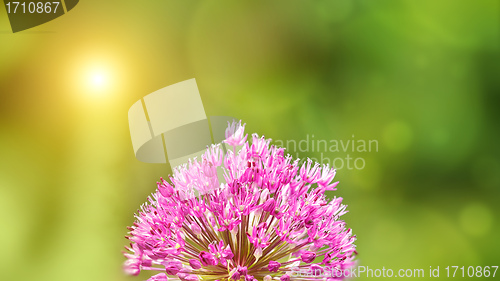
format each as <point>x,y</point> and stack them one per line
<point>98,80</point>
<point>97,75</point>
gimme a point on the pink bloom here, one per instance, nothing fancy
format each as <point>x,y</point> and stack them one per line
<point>266,207</point>
<point>165,188</point>
<point>235,134</point>
<point>221,253</point>
<point>243,270</point>
<point>207,259</point>
<point>235,275</point>
<point>259,238</point>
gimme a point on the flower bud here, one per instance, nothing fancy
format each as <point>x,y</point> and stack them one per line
<point>308,257</point>
<point>264,195</point>
<point>172,269</point>
<point>195,264</point>
<point>269,205</point>
<point>132,267</point>
<point>182,275</point>
<point>172,266</point>
<point>207,259</point>
<point>211,219</point>
<point>166,190</point>
<point>192,277</point>
<point>158,277</point>
<point>273,266</point>
<point>316,270</point>
<point>243,270</point>
<point>227,253</point>
<point>258,253</point>
<point>235,276</point>
<point>195,228</point>
<point>285,277</point>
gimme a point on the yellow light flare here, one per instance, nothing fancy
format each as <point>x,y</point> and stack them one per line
<point>99,80</point>
<point>96,76</point>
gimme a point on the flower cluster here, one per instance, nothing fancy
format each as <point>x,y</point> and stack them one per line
<point>250,213</point>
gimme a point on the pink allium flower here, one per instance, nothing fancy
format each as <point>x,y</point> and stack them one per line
<point>269,215</point>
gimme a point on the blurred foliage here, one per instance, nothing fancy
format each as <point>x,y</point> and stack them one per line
<point>420,77</point>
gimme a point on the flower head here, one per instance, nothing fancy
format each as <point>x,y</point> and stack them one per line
<point>267,215</point>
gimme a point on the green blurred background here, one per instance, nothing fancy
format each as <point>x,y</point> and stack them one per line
<point>420,77</point>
